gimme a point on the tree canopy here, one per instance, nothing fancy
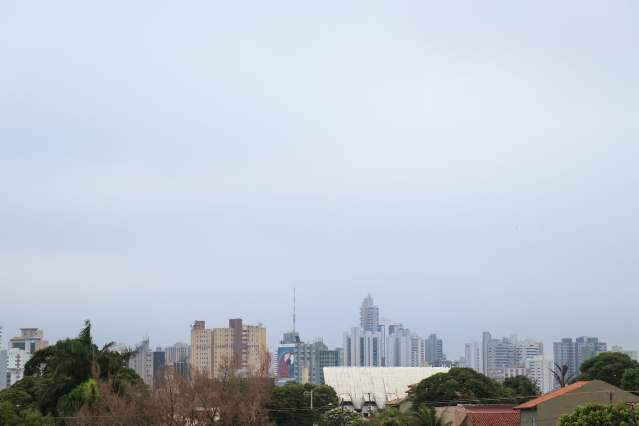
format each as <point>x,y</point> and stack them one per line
<point>342,417</point>
<point>607,366</point>
<point>61,378</point>
<point>599,415</point>
<point>458,385</point>
<point>521,387</point>
<point>291,404</point>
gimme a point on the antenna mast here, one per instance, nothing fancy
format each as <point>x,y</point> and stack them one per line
<point>293,309</point>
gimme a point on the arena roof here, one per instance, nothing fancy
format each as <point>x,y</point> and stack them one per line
<point>378,385</point>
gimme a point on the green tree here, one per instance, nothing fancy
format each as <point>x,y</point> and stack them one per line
<point>458,385</point>
<point>630,380</point>
<point>599,415</point>
<point>59,375</point>
<point>521,388</point>
<point>607,366</point>
<point>291,404</point>
<point>13,416</point>
<point>392,417</point>
<point>341,417</point>
<point>424,415</point>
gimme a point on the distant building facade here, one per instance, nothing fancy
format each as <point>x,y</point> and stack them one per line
<point>177,352</point>
<point>574,353</point>
<point>505,357</point>
<point>159,366</point>
<point>21,349</point>
<point>434,350</point>
<point>369,315</point>
<point>142,361</point>
<point>473,356</point>
<point>239,346</point>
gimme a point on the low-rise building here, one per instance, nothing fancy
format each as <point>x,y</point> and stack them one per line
<point>548,408</point>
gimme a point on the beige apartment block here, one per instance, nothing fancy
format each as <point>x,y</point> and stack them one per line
<point>239,348</point>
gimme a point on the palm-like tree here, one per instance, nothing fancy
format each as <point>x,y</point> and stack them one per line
<point>59,369</point>
<point>426,416</point>
<point>561,374</point>
<point>392,417</point>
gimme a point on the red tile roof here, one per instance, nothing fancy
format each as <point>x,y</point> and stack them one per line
<point>491,415</point>
<point>493,418</point>
<point>550,395</point>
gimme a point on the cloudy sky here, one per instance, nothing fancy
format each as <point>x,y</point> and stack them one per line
<point>471,164</point>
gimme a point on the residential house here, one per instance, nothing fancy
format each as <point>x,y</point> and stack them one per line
<point>548,408</point>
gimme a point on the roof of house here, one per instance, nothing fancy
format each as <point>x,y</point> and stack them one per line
<point>491,418</point>
<point>550,395</point>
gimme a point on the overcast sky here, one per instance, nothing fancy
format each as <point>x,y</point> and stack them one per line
<point>473,165</point>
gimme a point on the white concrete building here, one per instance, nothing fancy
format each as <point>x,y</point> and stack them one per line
<point>363,348</point>
<point>20,350</point>
<point>142,362</point>
<point>472,356</point>
<point>539,370</point>
<point>526,349</point>
<point>375,386</point>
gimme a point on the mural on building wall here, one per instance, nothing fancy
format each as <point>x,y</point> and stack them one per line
<point>286,362</point>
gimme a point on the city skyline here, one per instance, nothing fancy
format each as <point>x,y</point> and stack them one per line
<point>273,339</point>
<point>473,167</point>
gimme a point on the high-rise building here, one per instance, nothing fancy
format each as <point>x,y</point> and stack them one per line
<point>177,352</point>
<point>362,348</point>
<point>539,370</point>
<point>369,315</point>
<point>434,350</point>
<point>21,349</point>
<point>472,356</point>
<point>142,361</point>
<point>3,368</point>
<point>239,347</point>
<point>159,365</point>
<point>201,348</point>
<point>30,340</point>
<point>506,357</point>
<point>526,349</point>
<point>574,353</point>
<point>586,348</point>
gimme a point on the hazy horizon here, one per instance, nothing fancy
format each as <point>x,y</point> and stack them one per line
<point>473,166</point>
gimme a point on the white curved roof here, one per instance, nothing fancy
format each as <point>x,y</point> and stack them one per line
<point>382,383</point>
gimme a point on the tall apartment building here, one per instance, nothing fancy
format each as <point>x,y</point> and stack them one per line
<point>472,356</point>
<point>526,349</point>
<point>240,347</point>
<point>539,370</point>
<point>142,361</point>
<point>19,352</point>
<point>362,348</point>
<point>369,315</point>
<point>434,350</point>
<point>506,357</point>
<point>159,366</point>
<point>574,353</point>
<point>177,352</point>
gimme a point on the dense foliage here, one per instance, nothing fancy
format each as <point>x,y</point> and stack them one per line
<point>290,404</point>
<point>609,367</point>
<point>342,417</point>
<point>598,415</point>
<point>457,386</point>
<point>61,378</point>
<point>521,388</point>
